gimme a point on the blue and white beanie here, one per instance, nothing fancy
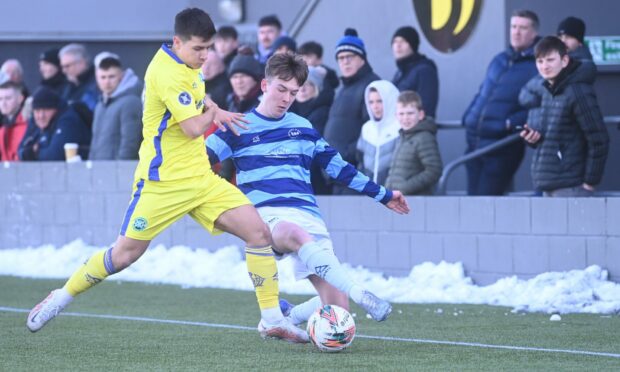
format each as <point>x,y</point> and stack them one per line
<point>351,43</point>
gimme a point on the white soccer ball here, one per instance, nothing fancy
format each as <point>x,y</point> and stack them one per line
<point>331,328</point>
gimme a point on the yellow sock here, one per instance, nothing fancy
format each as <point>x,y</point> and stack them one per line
<point>97,268</point>
<point>264,274</point>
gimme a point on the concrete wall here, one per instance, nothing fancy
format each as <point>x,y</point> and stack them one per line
<point>54,203</point>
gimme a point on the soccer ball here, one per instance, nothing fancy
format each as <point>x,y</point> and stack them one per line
<point>331,328</point>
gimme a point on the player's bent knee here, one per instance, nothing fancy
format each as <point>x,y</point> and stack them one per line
<point>127,251</point>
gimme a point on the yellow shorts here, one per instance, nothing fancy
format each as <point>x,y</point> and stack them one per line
<point>155,205</point>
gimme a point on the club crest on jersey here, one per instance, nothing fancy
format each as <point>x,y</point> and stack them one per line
<point>185,99</point>
<point>140,223</point>
<point>294,133</point>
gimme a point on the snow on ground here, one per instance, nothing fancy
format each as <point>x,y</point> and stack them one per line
<point>576,291</point>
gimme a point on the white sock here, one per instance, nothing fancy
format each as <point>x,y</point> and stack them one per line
<point>325,264</point>
<point>272,315</point>
<point>63,297</point>
<point>356,293</point>
<point>300,313</point>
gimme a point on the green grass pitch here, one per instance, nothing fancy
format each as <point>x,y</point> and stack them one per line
<point>79,343</point>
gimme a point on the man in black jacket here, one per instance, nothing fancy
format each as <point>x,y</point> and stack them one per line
<point>348,112</point>
<point>572,141</point>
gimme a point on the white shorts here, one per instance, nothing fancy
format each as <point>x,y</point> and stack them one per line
<point>310,223</point>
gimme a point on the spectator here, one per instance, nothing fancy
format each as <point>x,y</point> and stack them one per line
<point>245,74</point>
<point>51,74</point>
<point>14,70</point>
<point>217,84</point>
<point>226,43</point>
<point>380,134</point>
<point>314,106</point>
<point>348,113</point>
<point>14,124</point>
<point>269,29</point>
<point>495,111</point>
<point>284,44</point>
<point>415,71</point>
<point>312,53</point>
<point>117,124</point>
<point>571,31</point>
<point>82,87</point>
<point>572,143</point>
<point>55,124</point>
<point>416,164</point>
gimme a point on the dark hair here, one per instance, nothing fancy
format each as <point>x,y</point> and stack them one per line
<point>193,22</point>
<point>227,32</point>
<point>270,20</point>
<point>311,47</point>
<point>409,97</point>
<point>109,62</point>
<point>547,45</point>
<point>11,85</point>
<point>287,66</point>
<point>524,13</point>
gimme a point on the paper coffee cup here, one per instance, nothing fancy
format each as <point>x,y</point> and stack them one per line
<point>71,151</point>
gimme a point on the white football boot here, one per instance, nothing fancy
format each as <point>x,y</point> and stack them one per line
<point>47,309</point>
<point>283,330</point>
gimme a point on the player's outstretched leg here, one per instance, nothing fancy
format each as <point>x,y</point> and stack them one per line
<point>98,267</point>
<point>325,264</point>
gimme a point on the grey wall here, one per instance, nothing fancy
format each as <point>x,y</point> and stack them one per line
<point>55,203</point>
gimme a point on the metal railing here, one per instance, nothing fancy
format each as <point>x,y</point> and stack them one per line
<point>450,167</point>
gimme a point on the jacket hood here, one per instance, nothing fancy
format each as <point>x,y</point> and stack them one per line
<point>389,95</point>
<point>129,82</point>
<point>574,73</point>
<point>581,53</point>
<point>408,62</point>
<point>427,124</point>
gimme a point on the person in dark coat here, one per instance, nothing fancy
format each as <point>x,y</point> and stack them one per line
<point>415,72</point>
<point>416,164</point>
<point>217,84</point>
<point>245,74</point>
<point>51,74</point>
<point>495,111</point>
<point>571,31</point>
<point>314,106</point>
<point>572,142</point>
<point>54,125</point>
<point>80,72</point>
<point>348,112</point>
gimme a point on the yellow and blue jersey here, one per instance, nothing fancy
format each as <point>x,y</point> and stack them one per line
<point>173,92</point>
<point>273,159</point>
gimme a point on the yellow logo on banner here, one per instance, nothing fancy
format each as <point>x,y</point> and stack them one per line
<point>447,24</point>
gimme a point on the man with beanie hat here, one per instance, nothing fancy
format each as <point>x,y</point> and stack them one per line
<point>574,29</point>
<point>348,113</point>
<point>415,71</point>
<point>51,74</point>
<point>245,74</point>
<point>55,124</point>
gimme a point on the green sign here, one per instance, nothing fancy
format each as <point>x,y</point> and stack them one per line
<point>605,49</point>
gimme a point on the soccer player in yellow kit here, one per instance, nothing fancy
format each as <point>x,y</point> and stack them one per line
<point>173,178</point>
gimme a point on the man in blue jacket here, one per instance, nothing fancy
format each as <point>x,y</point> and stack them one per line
<point>54,124</point>
<point>495,111</point>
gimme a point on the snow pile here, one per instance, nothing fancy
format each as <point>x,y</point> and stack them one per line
<point>576,291</point>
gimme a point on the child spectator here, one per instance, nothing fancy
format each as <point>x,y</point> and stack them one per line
<point>380,133</point>
<point>416,165</point>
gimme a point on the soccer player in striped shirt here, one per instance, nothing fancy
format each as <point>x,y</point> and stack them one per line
<point>273,157</point>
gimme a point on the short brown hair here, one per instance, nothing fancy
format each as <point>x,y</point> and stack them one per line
<point>287,66</point>
<point>547,45</point>
<point>409,97</point>
<point>12,85</point>
<point>524,13</point>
